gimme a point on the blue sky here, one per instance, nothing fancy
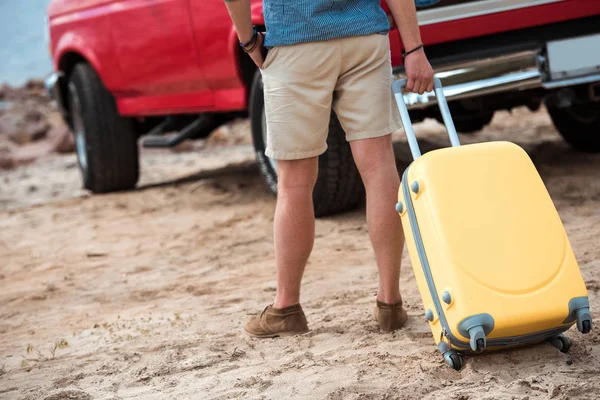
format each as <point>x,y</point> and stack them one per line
<point>23,53</point>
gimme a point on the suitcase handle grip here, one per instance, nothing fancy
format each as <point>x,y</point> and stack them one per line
<point>397,87</point>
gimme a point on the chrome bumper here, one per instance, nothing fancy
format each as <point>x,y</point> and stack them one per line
<point>519,71</point>
<point>54,89</point>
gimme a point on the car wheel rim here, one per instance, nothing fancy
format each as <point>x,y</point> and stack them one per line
<point>272,161</point>
<point>79,131</point>
<point>586,114</point>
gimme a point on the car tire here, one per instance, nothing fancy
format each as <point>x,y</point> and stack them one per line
<point>473,124</point>
<point>339,187</point>
<point>466,122</point>
<point>579,125</point>
<point>105,142</point>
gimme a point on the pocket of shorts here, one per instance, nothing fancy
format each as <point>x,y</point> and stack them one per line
<point>269,58</point>
<point>383,45</point>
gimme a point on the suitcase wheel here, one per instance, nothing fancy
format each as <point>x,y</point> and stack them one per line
<point>477,336</point>
<point>476,327</point>
<point>561,342</point>
<point>453,359</point>
<point>586,326</point>
<point>480,345</point>
<point>584,320</point>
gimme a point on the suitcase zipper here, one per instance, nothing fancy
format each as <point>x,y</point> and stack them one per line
<point>446,331</point>
<point>425,264</point>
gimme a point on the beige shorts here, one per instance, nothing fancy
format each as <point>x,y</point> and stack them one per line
<point>303,82</point>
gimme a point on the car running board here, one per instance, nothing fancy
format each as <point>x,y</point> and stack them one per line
<point>155,139</point>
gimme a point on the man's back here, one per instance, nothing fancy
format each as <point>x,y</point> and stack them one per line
<point>291,22</point>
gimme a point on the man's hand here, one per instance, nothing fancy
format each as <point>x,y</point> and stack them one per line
<point>257,54</point>
<point>239,10</point>
<point>240,15</point>
<point>419,73</point>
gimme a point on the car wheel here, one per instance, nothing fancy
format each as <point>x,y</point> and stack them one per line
<point>338,188</point>
<point>473,124</point>
<point>105,142</point>
<point>466,122</point>
<point>579,125</point>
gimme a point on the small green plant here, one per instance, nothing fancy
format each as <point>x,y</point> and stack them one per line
<point>58,344</point>
<point>2,370</point>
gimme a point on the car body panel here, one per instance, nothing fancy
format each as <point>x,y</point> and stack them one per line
<point>182,56</point>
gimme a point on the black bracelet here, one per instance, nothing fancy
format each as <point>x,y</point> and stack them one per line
<point>252,47</point>
<point>405,53</point>
<point>252,39</point>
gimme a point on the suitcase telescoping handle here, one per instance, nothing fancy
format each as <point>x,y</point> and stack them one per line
<point>397,88</point>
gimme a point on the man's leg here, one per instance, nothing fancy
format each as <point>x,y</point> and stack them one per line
<point>294,236</point>
<point>298,83</point>
<point>294,226</point>
<point>364,105</point>
<point>377,166</point>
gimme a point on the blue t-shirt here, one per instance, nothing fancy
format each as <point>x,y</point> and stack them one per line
<point>296,21</point>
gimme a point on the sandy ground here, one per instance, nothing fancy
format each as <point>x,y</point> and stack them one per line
<point>144,294</point>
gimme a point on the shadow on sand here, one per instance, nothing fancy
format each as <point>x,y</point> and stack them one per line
<point>547,155</point>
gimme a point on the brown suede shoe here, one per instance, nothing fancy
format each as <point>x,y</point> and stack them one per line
<point>390,316</point>
<point>274,322</point>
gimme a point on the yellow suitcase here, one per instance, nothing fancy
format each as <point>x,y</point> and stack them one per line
<point>491,257</point>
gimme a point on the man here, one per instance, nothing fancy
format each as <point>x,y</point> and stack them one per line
<point>324,54</point>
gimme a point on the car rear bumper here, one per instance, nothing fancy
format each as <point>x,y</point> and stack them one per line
<point>517,71</point>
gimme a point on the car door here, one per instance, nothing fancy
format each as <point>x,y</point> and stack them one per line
<point>155,47</point>
<point>216,41</point>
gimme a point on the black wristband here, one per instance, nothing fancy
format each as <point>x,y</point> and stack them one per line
<point>252,39</point>
<point>405,53</point>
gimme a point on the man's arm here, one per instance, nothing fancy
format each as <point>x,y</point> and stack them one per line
<point>418,70</point>
<point>239,11</point>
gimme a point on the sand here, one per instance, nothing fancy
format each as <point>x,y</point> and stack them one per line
<point>143,294</point>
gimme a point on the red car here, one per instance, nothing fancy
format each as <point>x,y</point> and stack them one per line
<point>129,68</point>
